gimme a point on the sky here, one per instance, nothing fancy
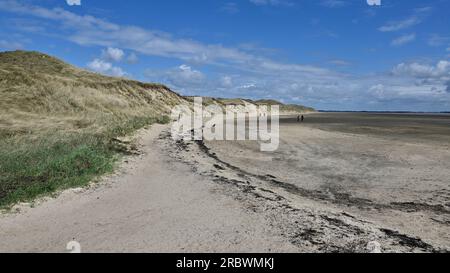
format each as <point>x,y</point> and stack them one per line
<point>328,54</point>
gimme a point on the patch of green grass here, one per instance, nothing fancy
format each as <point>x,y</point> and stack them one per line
<point>34,166</point>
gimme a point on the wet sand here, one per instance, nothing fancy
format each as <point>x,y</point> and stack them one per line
<point>411,127</point>
<point>390,170</point>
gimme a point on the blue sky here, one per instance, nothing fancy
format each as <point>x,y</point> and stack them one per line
<point>329,54</point>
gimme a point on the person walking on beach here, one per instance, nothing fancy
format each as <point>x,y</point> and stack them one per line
<point>303,118</point>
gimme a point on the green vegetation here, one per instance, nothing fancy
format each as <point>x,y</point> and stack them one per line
<point>58,124</point>
<point>34,166</point>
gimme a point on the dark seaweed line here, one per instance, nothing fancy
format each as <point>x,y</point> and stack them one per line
<point>341,198</point>
<point>403,239</point>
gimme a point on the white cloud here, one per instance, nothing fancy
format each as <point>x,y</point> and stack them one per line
<point>436,77</point>
<point>440,70</point>
<point>107,68</point>
<point>73,2</point>
<point>404,39</point>
<point>113,54</point>
<point>187,74</point>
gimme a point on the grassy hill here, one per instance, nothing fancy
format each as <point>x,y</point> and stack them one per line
<point>59,124</point>
<point>40,93</point>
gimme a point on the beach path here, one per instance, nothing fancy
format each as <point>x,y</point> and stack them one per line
<point>152,204</point>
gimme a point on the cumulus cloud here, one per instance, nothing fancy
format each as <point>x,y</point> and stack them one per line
<point>436,77</point>
<point>73,2</point>
<point>104,67</point>
<point>441,69</point>
<point>404,39</point>
<point>113,54</point>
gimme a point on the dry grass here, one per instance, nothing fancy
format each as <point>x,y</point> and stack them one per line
<point>39,94</point>
<point>284,108</point>
<point>57,122</point>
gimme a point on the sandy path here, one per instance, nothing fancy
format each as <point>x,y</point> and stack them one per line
<point>153,204</point>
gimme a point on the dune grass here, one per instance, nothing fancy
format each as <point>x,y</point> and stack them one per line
<point>34,166</point>
<point>58,123</point>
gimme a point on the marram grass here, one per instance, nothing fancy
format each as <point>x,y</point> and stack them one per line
<point>31,167</point>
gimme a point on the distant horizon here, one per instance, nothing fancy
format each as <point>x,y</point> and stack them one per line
<point>399,112</point>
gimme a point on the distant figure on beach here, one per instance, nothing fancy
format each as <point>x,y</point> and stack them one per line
<point>303,118</point>
<point>300,118</point>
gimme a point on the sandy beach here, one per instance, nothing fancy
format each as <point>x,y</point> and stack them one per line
<point>330,187</point>
<point>388,171</point>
